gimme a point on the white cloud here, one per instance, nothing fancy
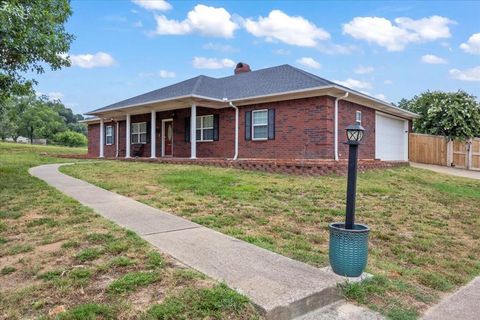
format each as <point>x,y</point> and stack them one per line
<point>388,81</point>
<point>219,47</point>
<point>282,52</point>
<point>208,21</point>
<point>395,37</point>
<point>431,28</point>
<point>212,63</point>
<point>472,74</point>
<point>472,45</point>
<point>433,59</point>
<point>381,96</point>
<point>160,5</point>
<point>162,74</point>
<point>363,69</point>
<point>333,48</point>
<point>99,59</point>
<point>166,74</point>
<point>355,84</point>
<point>309,62</point>
<point>137,24</point>
<point>293,30</point>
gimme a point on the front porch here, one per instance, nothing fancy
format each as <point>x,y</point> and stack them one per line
<point>165,131</point>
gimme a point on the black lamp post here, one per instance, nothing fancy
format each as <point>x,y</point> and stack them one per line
<point>348,248</point>
<point>354,136</point>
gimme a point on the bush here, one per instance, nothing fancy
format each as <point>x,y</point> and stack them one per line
<point>70,139</point>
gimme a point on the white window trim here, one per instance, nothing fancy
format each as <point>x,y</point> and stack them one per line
<point>139,133</point>
<point>107,135</point>
<point>258,125</point>
<point>201,128</point>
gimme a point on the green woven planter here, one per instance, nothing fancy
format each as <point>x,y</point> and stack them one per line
<point>348,249</point>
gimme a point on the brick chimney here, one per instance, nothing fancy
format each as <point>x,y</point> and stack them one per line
<point>242,67</point>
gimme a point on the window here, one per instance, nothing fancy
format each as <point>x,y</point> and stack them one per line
<point>109,135</point>
<point>358,117</point>
<point>260,124</point>
<point>139,132</point>
<point>205,128</point>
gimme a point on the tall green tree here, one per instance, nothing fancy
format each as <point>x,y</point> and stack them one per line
<point>455,115</point>
<point>41,121</point>
<point>32,36</point>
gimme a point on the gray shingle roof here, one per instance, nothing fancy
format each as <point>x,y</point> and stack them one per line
<point>267,81</point>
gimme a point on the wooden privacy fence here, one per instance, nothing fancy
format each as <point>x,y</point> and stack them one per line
<point>424,148</point>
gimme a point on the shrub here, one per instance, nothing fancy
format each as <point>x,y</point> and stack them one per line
<point>70,139</point>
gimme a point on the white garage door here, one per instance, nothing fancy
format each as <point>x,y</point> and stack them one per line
<point>391,138</point>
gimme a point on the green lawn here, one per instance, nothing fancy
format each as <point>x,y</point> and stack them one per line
<point>425,237</point>
<point>58,255</point>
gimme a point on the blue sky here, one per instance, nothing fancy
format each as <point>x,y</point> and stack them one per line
<point>387,49</point>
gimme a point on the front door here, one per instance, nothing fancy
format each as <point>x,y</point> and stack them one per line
<point>167,138</point>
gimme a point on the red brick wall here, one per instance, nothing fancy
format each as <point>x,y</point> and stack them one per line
<point>346,117</point>
<point>303,130</point>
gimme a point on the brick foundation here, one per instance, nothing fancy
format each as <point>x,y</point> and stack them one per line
<point>293,166</point>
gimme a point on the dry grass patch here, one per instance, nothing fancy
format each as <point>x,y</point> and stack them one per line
<point>59,259</point>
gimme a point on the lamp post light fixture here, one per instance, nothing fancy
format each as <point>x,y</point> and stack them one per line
<point>354,136</point>
<point>348,248</point>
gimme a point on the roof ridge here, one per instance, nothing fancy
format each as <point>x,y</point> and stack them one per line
<point>197,83</point>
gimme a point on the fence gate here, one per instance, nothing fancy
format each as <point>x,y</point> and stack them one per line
<point>460,154</point>
<point>425,148</point>
<point>475,147</point>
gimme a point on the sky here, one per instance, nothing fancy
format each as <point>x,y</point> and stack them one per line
<point>389,50</point>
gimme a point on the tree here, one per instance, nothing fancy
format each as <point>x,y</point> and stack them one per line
<point>41,121</point>
<point>11,115</point>
<point>32,35</point>
<point>455,115</point>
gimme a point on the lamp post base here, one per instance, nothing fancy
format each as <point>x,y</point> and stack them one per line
<point>348,249</point>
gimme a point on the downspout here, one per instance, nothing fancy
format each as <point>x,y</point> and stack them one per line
<point>335,133</point>
<point>117,141</point>
<point>236,130</point>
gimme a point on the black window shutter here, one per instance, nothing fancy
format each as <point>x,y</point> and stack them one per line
<point>187,129</point>
<point>149,130</point>
<point>215,127</point>
<point>105,135</point>
<point>248,125</point>
<point>271,124</point>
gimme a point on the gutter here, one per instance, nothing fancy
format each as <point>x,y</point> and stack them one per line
<point>235,156</point>
<point>335,133</point>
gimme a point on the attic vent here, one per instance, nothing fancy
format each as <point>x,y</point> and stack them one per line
<point>242,67</point>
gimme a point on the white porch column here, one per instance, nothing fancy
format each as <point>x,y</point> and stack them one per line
<point>102,137</point>
<point>153,135</point>
<point>193,132</point>
<point>127,138</point>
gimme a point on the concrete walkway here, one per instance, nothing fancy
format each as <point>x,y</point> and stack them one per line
<point>463,304</point>
<point>448,170</point>
<point>282,288</point>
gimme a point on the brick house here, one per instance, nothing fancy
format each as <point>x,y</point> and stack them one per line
<point>274,113</point>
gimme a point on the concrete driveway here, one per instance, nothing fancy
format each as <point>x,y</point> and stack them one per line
<point>448,170</point>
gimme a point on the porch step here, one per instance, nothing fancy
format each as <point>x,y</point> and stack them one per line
<point>280,287</point>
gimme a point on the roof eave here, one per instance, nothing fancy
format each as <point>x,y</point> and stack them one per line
<point>190,96</point>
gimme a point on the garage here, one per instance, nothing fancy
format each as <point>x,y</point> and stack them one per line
<point>391,137</point>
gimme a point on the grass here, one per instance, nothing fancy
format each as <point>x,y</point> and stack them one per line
<point>56,253</point>
<point>425,237</point>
